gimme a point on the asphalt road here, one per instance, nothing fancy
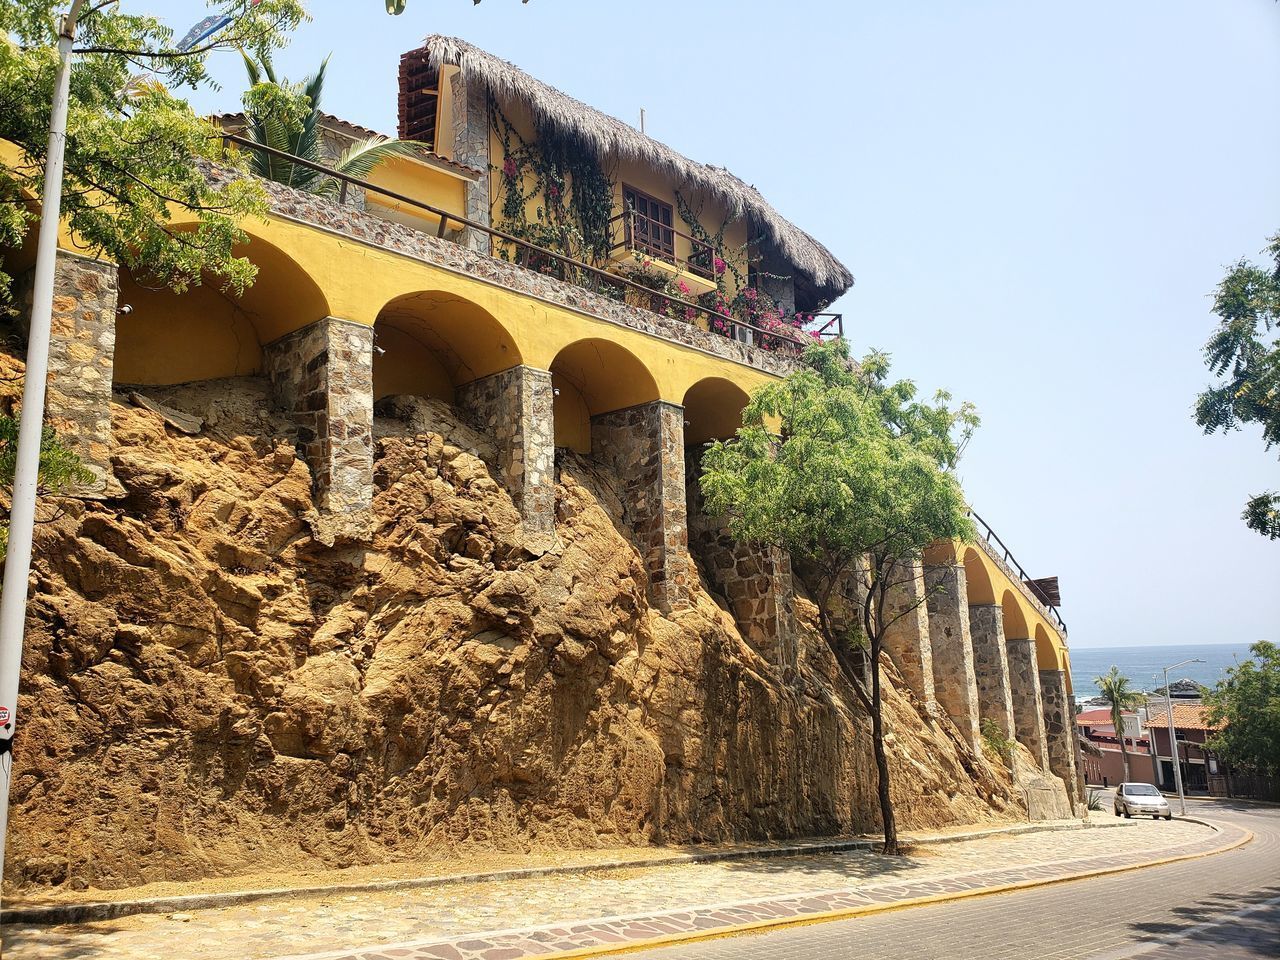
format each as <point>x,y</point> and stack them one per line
<point>1226,907</point>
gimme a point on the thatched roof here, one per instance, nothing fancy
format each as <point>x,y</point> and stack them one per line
<point>818,269</point>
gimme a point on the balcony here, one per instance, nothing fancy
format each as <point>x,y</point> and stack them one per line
<point>644,241</point>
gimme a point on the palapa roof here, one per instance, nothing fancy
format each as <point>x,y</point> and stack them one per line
<point>824,275</point>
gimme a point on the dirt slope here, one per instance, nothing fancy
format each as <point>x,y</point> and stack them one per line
<point>208,690</point>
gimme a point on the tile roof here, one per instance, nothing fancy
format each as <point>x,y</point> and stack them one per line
<point>1186,716</point>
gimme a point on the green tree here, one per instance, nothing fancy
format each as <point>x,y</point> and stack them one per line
<point>60,469</point>
<point>135,152</point>
<point>1114,688</point>
<point>855,485</point>
<point>1247,703</point>
<point>287,117</point>
<point>1244,354</point>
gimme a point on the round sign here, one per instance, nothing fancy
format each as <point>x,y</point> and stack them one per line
<point>4,714</point>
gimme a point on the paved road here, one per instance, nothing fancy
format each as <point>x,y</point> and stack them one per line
<point>1225,907</point>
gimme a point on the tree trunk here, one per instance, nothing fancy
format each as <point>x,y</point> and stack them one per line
<point>887,818</point>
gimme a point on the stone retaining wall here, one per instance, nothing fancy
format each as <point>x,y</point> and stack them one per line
<point>644,445</point>
<point>515,408</point>
<point>953,676</point>
<point>82,347</point>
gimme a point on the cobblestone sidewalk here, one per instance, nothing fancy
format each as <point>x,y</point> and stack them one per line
<point>542,916</point>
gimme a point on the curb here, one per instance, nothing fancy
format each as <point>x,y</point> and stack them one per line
<point>55,914</point>
<point>733,930</point>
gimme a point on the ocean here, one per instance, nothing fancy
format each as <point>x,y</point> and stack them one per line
<point>1143,665</point>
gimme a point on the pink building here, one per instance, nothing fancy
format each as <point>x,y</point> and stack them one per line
<point>1106,769</point>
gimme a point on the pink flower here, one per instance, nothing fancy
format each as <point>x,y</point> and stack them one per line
<point>750,294</point>
<point>720,266</point>
<point>554,192</point>
<point>689,314</point>
<point>509,167</point>
<point>684,287</point>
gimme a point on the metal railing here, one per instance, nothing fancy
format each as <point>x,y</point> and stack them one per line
<point>832,324</point>
<point>992,537</point>
<point>653,238</point>
<point>542,260</point>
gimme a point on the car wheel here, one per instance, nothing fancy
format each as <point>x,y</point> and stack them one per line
<point>1168,816</point>
<point>1127,814</point>
<point>1116,811</point>
<point>1155,816</point>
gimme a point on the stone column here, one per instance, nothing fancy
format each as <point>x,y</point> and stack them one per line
<point>471,147</point>
<point>756,582</point>
<point>954,682</point>
<point>82,351</point>
<point>1060,730</point>
<point>514,406</point>
<point>991,666</point>
<point>1024,688</point>
<point>645,447</point>
<point>323,375</point>
<point>1077,753</point>
<point>907,636</point>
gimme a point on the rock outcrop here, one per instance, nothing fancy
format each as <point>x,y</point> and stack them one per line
<point>209,689</point>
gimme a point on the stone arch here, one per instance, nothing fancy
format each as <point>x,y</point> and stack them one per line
<point>978,578</point>
<point>1015,621</point>
<point>428,343</point>
<point>1046,650</point>
<point>713,410</point>
<point>208,333</point>
<point>591,377</point>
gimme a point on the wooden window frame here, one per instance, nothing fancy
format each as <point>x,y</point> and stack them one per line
<point>665,247</point>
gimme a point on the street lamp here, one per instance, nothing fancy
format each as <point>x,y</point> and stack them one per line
<point>22,510</point>
<point>1173,737</point>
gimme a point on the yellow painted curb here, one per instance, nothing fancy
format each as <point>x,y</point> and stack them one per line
<point>846,913</point>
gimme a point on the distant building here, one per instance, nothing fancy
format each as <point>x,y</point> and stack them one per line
<point>1104,765</point>
<point>1202,771</point>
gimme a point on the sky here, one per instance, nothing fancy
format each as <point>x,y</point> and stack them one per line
<point>1037,201</point>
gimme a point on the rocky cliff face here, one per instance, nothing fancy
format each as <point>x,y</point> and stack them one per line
<point>207,689</point>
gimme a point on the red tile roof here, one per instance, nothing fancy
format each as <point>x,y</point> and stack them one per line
<point>1186,716</point>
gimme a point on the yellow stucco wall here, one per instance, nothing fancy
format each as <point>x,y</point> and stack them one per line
<point>418,180</point>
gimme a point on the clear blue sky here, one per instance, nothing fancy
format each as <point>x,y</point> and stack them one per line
<point>1036,200</point>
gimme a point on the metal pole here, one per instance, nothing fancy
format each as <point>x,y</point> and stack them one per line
<point>1173,745</point>
<point>22,513</point>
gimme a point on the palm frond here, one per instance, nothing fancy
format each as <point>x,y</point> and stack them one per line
<point>360,159</point>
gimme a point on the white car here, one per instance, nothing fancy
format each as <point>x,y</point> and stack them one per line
<point>1142,799</point>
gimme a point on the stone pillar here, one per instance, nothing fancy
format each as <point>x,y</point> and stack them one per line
<point>645,447</point>
<point>82,351</point>
<point>1077,753</point>
<point>323,375</point>
<point>514,406</point>
<point>757,583</point>
<point>954,682</point>
<point>471,147</point>
<point>991,666</point>
<point>1024,688</point>
<point>907,636</point>
<point>1060,730</point>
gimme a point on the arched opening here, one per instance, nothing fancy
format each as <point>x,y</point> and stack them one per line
<point>1046,650</point>
<point>712,410</point>
<point>208,333</point>
<point>977,578</point>
<point>428,343</point>
<point>591,377</point>
<point>1015,621</point>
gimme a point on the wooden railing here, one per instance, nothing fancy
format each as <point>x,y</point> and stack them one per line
<point>566,268</point>
<point>649,237</point>
<point>993,538</point>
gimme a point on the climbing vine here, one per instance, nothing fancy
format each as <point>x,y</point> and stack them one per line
<point>571,194</point>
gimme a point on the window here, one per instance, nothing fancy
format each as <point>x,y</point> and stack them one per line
<point>1141,790</point>
<point>650,228</point>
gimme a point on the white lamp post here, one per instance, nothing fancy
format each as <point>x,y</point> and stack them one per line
<point>1173,737</point>
<point>22,513</point>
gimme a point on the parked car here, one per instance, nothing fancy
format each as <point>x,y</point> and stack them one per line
<point>1142,799</point>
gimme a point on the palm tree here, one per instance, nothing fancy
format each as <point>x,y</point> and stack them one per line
<point>302,138</point>
<point>1114,688</point>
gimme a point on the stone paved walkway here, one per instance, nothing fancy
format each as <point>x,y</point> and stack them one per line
<point>549,915</point>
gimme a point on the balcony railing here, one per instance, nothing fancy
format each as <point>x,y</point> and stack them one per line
<point>543,260</point>
<point>993,538</point>
<point>653,238</point>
